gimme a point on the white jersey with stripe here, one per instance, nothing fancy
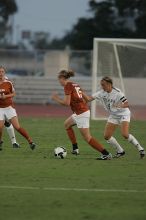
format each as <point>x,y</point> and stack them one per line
<point>110,100</point>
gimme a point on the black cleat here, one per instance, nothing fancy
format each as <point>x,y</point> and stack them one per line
<point>117,155</point>
<point>16,145</point>
<point>105,157</point>
<point>142,154</point>
<point>32,145</point>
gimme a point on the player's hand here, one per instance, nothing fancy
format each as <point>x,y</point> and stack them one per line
<point>2,96</point>
<point>54,96</point>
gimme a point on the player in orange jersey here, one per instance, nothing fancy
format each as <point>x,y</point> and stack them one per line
<point>81,114</point>
<point>10,130</point>
<point>7,110</point>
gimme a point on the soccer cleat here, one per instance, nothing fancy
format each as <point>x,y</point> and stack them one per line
<point>16,145</point>
<point>32,145</point>
<point>75,152</point>
<point>117,155</point>
<point>142,154</point>
<point>1,143</point>
<point>105,157</point>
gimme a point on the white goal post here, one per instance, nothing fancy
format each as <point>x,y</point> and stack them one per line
<point>119,59</point>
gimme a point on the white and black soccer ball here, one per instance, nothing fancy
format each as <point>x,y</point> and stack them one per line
<point>60,152</point>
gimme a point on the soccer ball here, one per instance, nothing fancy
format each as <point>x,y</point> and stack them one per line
<point>60,152</point>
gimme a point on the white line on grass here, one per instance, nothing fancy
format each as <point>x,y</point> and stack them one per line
<point>72,189</point>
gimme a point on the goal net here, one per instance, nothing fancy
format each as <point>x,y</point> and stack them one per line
<point>124,60</point>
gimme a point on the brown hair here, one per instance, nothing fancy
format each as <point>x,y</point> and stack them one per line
<point>107,79</point>
<point>2,67</point>
<point>66,74</point>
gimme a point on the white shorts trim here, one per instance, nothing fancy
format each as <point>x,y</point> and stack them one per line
<point>7,113</point>
<point>82,120</point>
<point>118,119</point>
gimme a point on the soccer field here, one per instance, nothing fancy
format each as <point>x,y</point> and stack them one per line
<point>35,185</point>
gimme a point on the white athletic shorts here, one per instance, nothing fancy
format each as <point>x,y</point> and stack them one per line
<point>7,113</point>
<point>118,119</point>
<point>82,120</point>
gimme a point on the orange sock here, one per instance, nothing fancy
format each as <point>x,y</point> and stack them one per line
<point>96,145</point>
<point>24,133</point>
<point>71,135</point>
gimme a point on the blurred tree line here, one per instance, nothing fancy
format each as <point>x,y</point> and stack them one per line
<point>107,18</point>
<point>7,8</point>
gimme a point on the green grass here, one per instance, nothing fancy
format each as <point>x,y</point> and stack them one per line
<point>26,177</point>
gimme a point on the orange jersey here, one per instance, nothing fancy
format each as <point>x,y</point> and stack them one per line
<point>77,102</point>
<point>6,88</point>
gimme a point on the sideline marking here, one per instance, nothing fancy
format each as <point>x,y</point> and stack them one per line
<point>72,189</point>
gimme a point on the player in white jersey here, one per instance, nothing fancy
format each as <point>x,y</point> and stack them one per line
<point>115,102</point>
<point>10,131</point>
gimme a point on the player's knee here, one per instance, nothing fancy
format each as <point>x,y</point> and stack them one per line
<point>1,128</point>
<point>125,135</point>
<point>87,138</point>
<point>17,127</point>
<point>7,124</point>
<point>66,125</point>
<point>107,137</point>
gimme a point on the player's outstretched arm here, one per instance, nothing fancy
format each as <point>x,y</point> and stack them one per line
<point>87,98</point>
<point>65,101</point>
<point>121,105</point>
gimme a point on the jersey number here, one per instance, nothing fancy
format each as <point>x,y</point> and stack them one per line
<point>79,92</point>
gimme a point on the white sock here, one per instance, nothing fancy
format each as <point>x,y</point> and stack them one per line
<point>11,133</point>
<point>133,141</point>
<point>113,142</point>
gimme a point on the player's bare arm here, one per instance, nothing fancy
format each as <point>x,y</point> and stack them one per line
<point>122,105</point>
<point>65,101</point>
<point>87,98</point>
<point>3,96</point>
